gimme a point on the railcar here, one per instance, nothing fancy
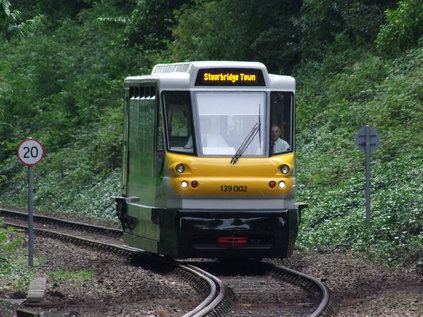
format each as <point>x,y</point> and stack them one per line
<point>202,173</point>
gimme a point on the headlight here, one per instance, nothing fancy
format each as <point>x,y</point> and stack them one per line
<point>282,184</point>
<point>180,168</point>
<point>284,169</point>
<point>184,184</point>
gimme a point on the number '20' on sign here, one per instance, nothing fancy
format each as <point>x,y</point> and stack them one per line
<point>30,152</point>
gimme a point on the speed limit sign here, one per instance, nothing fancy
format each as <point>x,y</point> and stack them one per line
<point>30,152</point>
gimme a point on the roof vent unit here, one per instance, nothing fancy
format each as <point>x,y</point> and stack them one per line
<point>171,68</point>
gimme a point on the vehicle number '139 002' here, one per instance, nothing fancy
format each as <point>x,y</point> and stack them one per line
<point>230,188</point>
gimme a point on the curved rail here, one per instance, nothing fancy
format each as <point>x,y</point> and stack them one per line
<point>219,299</point>
<point>310,283</point>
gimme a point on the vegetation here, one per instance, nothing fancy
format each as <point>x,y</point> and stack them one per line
<point>356,63</point>
<point>387,97</point>
<point>13,263</point>
<point>11,23</point>
<point>73,276</point>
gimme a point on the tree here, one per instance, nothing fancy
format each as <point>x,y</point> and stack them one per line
<point>238,30</point>
<point>151,22</point>
<point>324,22</point>
<point>403,29</point>
<point>10,21</point>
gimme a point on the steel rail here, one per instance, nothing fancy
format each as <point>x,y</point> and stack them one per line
<point>217,303</point>
<point>220,298</point>
<point>54,220</point>
<point>309,283</point>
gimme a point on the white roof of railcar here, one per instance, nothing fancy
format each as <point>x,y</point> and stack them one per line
<point>183,75</point>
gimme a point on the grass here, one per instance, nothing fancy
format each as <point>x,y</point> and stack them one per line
<point>73,276</point>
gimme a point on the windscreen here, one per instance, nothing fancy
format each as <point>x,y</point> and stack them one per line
<point>230,121</point>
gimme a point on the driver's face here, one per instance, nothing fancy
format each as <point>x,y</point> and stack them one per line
<point>276,133</point>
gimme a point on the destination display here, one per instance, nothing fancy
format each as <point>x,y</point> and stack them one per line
<point>229,77</point>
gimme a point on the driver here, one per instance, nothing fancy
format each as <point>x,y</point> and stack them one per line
<point>278,145</point>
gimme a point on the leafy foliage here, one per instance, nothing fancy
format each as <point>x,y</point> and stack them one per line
<point>331,170</point>
<point>403,29</point>
<point>72,79</point>
<point>7,248</point>
<point>12,267</point>
<point>323,22</point>
<point>238,30</point>
<point>11,23</point>
<point>62,84</point>
<point>151,22</point>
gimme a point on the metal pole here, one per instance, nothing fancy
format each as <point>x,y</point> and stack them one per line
<point>30,219</point>
<point>367,175</point>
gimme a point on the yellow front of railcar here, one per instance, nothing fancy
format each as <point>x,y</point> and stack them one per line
<point>209,161</point>
<point>217,177</point>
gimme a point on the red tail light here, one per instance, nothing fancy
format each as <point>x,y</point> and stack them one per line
<point>194,184</point>
<point>232,242</point>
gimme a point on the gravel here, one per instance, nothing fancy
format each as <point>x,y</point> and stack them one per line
<point>116,288</point>
<point>358,287</point>
<point>361,288</point>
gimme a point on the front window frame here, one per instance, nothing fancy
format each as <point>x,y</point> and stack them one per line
<point>233,146</point>
<point>183,147</point>
<point>267,119</point>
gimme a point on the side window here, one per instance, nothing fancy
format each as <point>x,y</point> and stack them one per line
<point>281,136</point>
<point>178,121</point>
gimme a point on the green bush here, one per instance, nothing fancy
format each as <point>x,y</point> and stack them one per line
<point>69,96</point>
<point>336,217</point>
<point>7,248</point>
<point>404,27</point>
<point>388,96</point>
<point>13,264</point>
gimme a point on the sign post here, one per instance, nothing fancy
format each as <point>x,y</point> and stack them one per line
<point>367,140</point>
<point>30,153</point>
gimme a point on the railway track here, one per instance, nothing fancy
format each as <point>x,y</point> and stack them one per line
<point>268,289</point>
<point>308,296</point>
<point>218,298</point>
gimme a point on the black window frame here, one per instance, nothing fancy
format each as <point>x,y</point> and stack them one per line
<point>291,128</point>
<point>167,123</point>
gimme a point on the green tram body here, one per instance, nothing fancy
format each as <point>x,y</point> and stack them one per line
<point>219,203</point>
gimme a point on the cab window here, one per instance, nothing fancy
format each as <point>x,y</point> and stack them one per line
<point>281,133</point>
<point>178,121</point>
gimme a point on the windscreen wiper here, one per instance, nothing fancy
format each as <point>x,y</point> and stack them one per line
<point>246,143</point>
